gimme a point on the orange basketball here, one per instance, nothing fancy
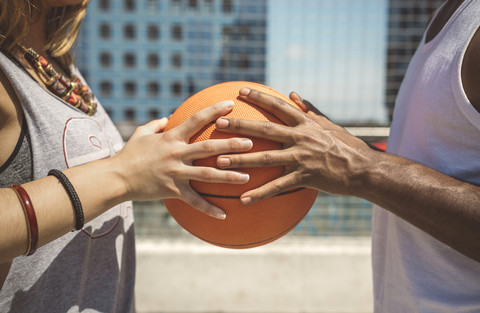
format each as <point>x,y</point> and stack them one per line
<point>246,226</point>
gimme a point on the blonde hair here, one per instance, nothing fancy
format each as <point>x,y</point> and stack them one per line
<point>63,25</point>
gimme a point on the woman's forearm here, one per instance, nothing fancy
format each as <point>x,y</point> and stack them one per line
<point>96,184</point>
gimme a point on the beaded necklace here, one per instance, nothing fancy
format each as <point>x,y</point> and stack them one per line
<point>72,90</point>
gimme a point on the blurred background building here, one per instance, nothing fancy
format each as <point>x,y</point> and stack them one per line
<point>143,58</point>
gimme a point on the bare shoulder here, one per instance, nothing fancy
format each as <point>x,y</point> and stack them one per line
<point>10,118</point>
<point>471,71</point>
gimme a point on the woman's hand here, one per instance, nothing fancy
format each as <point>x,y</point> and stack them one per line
<point>317,153</point>
<point>156,165</point>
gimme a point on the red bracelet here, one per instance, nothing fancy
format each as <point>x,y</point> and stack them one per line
<point>31,218</point>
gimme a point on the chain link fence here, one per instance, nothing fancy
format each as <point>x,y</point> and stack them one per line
<point>330,215</point>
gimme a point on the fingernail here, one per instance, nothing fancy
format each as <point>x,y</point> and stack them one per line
<point>228,104</point>
<point>244,92</point>
<point>220,215</point>
<point>223,162</point>
<point>222,123</point>
<point>247,144</point>
<point>298,96</point>
<point>246,200</point>
<point>244,177</point>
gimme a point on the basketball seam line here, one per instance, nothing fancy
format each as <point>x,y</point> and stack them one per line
<point>279,235</point>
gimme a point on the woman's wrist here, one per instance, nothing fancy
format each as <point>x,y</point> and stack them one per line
<point>99,186</point>
<point>120,177</point>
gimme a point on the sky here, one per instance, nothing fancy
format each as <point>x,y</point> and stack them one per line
<point>331,52</point>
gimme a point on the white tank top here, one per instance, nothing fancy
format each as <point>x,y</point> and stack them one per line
<point>434,124</point>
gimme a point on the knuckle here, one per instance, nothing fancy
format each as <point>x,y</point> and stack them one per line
<point>267,127</point>
<point>257,197</point>
<point>197,118</point>
<point>267,158</point>
<point>236,162</point>
<point>218,108</point>
<point>237,144</point>
<point>297,156</point>
<point>278,102</point>
<point>172,189</point>
<point>208,147</point>
<point>140,130</point>
<point>263,97</point>
<point>172,172</point>
<point>169,135</point>
<point>174,154</point>
<point>236,123</point>
<point>297,179</point>
<point>261,195</point>
<point>304,118</point>
<point>230,177</point>
<point>207,174</point>
<point>305,137</point>
<point>234,144</point>
<point>196,203</point>
<point>276,187</point>
<point>254,94</point>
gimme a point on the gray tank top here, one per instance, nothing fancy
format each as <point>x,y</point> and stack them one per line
<point>89,270</point>
<point>18,168</point>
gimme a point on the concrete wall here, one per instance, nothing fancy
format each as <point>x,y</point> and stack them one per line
<point>290,275</point>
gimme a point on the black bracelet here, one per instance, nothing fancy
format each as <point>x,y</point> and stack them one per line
<point>77,205</point>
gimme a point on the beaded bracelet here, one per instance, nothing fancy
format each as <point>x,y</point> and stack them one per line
<point>31,218</point>
<point>77,205</point>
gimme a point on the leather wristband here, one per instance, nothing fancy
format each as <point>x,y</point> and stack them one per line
<point>31,218</point>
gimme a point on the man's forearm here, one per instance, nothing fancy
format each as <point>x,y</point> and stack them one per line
<point>442,206</point>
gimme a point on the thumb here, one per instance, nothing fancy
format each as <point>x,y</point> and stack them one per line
<point>156,126</point>
<point>152,127</point>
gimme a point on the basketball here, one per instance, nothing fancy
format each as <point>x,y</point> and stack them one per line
<point>246,226</point>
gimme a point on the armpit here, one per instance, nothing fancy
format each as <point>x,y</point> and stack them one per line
<point>471,71</point>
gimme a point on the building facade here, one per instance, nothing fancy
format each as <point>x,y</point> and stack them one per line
<point>143,58</point>
<point>407,22</point>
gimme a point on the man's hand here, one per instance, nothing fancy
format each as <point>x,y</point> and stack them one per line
<point>316,153</point>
